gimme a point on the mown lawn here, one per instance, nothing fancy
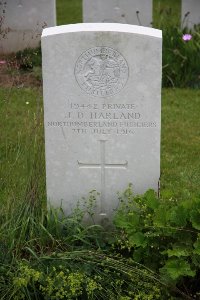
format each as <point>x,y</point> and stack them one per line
<point>22,142</point>
<point>69,11</point>
<point>180,142</point>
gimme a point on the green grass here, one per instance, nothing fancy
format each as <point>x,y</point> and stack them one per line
<point>166,12</point>
<point>22,142</point>
<point>180,142</point>
<point>31,235</point>
<point>69,11</point>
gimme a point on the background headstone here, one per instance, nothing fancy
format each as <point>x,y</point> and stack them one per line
<point>22,22</point>
<point>102,90</point>
<point>136,12</point>
<point>190,13</point>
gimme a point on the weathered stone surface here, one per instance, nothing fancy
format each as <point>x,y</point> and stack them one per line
<point>102,90</point>
<point>136,12</point>
<point>23,22</point>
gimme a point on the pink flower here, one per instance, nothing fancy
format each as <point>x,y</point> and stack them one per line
<point>187,37</point>
<point>2,62</point>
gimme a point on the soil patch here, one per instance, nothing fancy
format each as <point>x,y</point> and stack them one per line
<point>12,75</point>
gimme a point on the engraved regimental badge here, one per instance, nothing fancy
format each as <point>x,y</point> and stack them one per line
<point>101,71</point>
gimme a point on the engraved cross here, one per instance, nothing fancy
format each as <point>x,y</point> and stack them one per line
<point>103,166</point>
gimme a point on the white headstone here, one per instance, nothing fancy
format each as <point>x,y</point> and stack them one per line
<point>102,94</point>
<point>190,13</point>
<point>136,12</point>
<point>23,22</point>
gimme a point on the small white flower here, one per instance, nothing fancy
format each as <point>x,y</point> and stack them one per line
<point>27,102</point>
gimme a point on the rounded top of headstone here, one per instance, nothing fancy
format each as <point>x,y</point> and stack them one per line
<point>108,27</point>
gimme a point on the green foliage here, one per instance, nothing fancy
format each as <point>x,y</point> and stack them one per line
<point>162,234</point>
<point>69,12</point>
<point>29,58</point>
<point>47,255</point>
<point>166,13</point>
<point>83,275</point>
<point>43,253</point>
<point>176,268</point>
<point>180,58</point>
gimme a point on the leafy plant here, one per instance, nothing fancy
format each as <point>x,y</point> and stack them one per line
<point>162,234</point>
<point>29,58</point>
<point>180,58</point>
<point>84,275</point>
<point>47,255</point>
